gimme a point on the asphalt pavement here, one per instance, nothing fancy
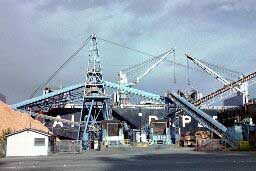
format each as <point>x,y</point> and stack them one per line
<point>134,159</point>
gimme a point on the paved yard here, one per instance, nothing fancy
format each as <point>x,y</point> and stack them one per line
<point>135,159</point>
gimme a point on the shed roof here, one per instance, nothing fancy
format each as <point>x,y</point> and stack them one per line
<point>29,129</point>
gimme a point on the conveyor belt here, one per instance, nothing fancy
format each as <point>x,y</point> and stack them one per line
<point>224,89</point>
<point>207,121</point>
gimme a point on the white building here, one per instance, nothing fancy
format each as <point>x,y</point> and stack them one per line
<point>27,142</point>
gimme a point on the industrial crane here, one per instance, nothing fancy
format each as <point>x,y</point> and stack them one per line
<point>149,64</point>
<point>220,91</point>
<point>145,67</point>
<point>92,92</point>
<point>240,88</point>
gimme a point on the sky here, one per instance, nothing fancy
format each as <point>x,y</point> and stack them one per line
<point>37,36</point>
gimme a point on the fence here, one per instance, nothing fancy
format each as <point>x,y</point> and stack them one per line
<point>2,148</point>
<point>210,145</point>
<point>68,146</point>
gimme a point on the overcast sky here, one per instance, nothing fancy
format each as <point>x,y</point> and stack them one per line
<point>37,36</point>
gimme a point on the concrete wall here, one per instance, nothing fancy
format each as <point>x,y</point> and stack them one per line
<point>22,144</point>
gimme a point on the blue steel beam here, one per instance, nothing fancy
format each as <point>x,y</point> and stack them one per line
<point>183,103</point>
<point>189,108</point>
<point>81,85</point>
<point>207,121</point>
<point>134,91</point>
<point>48,95</point>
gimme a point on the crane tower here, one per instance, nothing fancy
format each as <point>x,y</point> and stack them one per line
<point>95,102</point>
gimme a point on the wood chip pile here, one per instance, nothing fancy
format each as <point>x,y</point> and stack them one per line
<point>17,120</point>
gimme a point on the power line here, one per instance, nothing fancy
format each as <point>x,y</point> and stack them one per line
<point>174,67</point>
<point>61,67</point>
<point>185,66</point>
<point>188,71</point>
<point>126,47</point>
<point>144,53</point>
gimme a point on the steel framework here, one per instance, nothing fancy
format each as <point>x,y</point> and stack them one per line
<point>95,103</point>
<point>243,88</point>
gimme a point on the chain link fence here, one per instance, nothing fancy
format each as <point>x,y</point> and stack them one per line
<point>68,146</point>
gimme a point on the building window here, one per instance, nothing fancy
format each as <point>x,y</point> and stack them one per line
<point>39,142</point>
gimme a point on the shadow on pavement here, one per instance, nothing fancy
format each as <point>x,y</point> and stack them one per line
<point>182,162</point>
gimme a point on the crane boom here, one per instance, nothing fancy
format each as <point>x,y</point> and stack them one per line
<point>163,56</point>
<point>212,73</point>
<point>146,66</point>
<point>221,90</point>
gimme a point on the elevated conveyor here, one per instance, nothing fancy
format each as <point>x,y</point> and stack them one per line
<point>187,107</point>
<point>225,88</point>
<point>207,121</point>
<point>72,93</point>
<point>134,91</point>
<point>65,94</point>
<point>55,96</point>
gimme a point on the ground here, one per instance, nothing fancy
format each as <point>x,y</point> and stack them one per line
<point>135,159</point>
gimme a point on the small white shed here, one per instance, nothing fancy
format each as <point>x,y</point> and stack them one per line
<point>27,142</point>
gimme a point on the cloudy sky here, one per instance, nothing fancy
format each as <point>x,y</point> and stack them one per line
<point>37,36</point>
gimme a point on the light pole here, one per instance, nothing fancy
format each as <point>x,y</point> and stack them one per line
<point>140,115</point>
